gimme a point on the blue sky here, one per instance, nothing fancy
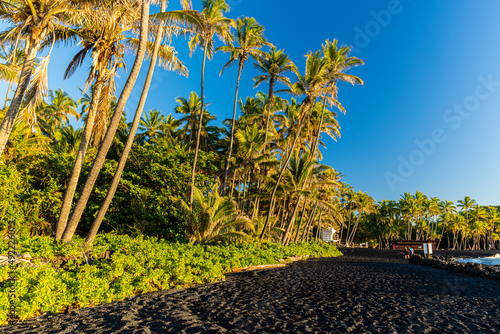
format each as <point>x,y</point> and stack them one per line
<point>427,116</point>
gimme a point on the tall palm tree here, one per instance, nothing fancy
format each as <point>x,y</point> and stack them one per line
<point>214,24</point>
<point>35,22</point>
<point>191,108</point>
<point>274,65</point>
<point>447,208</point>
<point>168,58</point>
<point>72,224</point>
<point>339,62</point>
<point>100,30</point>
<point>311,85</point>
<point>250,38</point>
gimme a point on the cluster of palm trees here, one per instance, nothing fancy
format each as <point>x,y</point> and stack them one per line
<point>270,157</point>
<point>419,217</point>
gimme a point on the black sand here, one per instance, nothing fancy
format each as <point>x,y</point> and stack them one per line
<point>365,291</point>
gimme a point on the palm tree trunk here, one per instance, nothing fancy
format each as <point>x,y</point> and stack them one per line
<point>15,105</point>
<point>8,93</point>
<point>282,171</point>
<point>316,141</point>
<point>354,228</point>
<point>80,156</point>
<point>270,100</point>
<point>309,222</point>
<point>240,67</point>
<point>200,123</point>
<point>130,138</point>
<point>113,126</point>
<point>319,225</point>
<point>291,224</point>
<point>300,221</point>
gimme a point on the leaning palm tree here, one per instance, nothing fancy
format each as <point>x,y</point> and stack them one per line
<point>168,59</point>
<point>100,30</point>
<point>70,227</point>
<point>214,24</point>
<point>37,23</point>
<point>250,38</point>
<point>311,85</point>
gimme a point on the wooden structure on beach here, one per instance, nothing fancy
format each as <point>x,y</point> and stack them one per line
<point>415,244</point>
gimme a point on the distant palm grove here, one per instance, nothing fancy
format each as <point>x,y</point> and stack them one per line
<point>179,176</point>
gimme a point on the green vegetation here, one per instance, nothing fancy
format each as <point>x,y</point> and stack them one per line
<point>136,265</point>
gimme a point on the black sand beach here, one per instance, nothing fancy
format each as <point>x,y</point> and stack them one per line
<point>364,291</point>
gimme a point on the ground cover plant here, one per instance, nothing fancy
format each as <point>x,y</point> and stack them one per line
<point>135,265</point>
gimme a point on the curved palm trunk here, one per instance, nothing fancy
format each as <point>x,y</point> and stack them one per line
<point>354,228</point>
<point>300,222</point>
<point>316,141</point>
<point>15,105</point>
<point>291,223</point>
<point>8,93</point>
<point>319,225</point>
<point>240,67</point>
<point>113,126</point>
<point>200,123</point>
<point>80,156</point>
<point>130,138</point>
<point>270,98</point>
<point>282,171</point>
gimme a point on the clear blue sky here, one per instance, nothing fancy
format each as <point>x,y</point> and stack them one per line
<point>427,117</point>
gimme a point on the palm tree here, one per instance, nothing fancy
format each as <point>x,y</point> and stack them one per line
<point>191,108</point>
<point>151,125</point>
<point>212,217</point>
<point>9,71</point>
<point>311,85</point>
<point>447,208</point>
<point>339,62</point>
<point>274,64</point>
<point>250,38</point>
<point>35,22</point>
<point>168,58</point>
<point>214,23</point>
<point>101,33</point>
<point>61,106</point>
<point>115,121</point>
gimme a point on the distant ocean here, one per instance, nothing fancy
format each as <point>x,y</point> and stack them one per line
<point>491,260</point>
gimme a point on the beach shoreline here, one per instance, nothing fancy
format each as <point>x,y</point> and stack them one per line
<point>366,290</point>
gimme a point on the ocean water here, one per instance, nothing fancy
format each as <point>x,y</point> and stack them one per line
<point>491,260</point>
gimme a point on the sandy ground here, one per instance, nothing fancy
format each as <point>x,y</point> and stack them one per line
<point>364,291</point>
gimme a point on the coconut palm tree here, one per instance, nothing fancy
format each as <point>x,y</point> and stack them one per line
<point>38,24</point>
<point>72,224</point>
<point>214,24</point>
<point>12,66</point>
<point>447,208</point>
<point>250,38</point>
<point>100,30</point>
<point>167,57</point>
<point>274,65</point>
<point>60,107</point>
<point>311,85</point>
<point>339,61</point>
<point>151,125</point>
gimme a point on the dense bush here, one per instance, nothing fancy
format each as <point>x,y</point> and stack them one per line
<point>32,187</point>
<point>137,265</point>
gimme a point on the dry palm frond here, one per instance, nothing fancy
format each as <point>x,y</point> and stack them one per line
<point>37,92</point>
